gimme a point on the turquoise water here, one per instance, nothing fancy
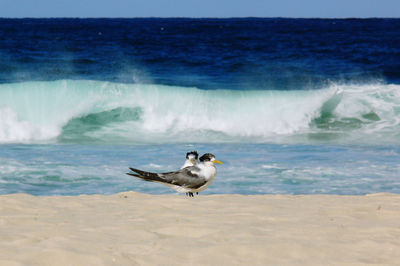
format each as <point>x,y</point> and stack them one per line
<point>79,137</point>
<point>80,111</point>
<point>72,169</point>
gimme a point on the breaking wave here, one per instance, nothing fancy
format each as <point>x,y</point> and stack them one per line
<point>96,111</point>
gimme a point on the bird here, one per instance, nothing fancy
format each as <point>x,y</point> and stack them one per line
<point>189,180</point>
<point>191,159</point>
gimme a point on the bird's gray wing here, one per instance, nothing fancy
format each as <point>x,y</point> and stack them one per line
<point>187,177</point>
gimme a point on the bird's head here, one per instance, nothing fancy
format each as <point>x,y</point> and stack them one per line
<point>208,157</point>
<point>192,156</point>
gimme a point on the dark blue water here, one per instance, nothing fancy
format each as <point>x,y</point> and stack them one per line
<point>239,54</point>
<point>296,106</point>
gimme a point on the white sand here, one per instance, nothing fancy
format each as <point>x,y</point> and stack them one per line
<point>138,229</point>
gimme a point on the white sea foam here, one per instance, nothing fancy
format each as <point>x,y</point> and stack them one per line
<point>45,111</point>
<point>14,130</point>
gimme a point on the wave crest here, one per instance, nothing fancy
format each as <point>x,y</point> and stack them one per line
<point>130,113</point>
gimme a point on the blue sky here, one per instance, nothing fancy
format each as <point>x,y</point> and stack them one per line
<point>200,8</point>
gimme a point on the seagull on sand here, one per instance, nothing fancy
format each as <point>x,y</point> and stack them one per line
<point>191,159</point>
<point>187,180</point>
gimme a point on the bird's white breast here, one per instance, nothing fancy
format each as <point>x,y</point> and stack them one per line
<point>209,172</point>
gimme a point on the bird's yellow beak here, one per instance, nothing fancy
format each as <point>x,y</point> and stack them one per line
<point>216,161</point>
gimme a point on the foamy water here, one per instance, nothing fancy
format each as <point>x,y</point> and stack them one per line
<point>72,169</point>
<point>78,111</point>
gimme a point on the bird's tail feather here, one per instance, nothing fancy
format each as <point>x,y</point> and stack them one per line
<point>136,175</point>
<point>148,176</point>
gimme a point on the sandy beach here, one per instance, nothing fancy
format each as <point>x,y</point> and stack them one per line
<point>139,229</point>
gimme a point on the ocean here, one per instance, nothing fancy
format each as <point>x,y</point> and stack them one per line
<point>291,106</point>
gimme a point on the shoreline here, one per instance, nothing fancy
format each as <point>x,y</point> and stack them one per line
<point>131,228</point>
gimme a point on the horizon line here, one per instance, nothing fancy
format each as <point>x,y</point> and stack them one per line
<point>184,17</point>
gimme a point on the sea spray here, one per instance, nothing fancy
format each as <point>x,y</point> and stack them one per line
<point>80,111</point>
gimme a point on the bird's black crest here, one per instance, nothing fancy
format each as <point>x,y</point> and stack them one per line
<point>196,155</point>
<point>207,157</point>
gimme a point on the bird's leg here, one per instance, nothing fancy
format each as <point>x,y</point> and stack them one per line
<point>197,193</point>
<point>190,194</point>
